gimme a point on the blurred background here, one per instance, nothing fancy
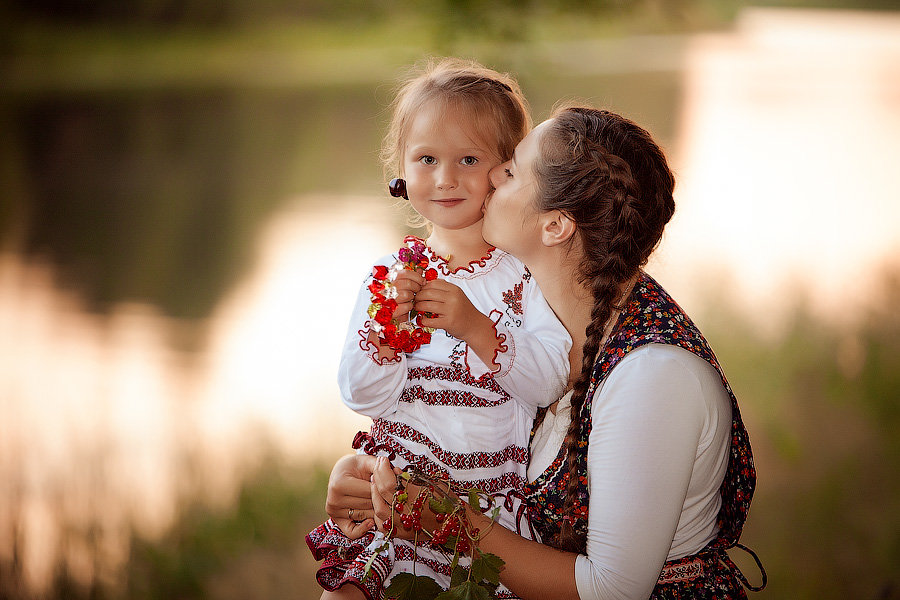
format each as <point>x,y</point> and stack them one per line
<point>190,195</point>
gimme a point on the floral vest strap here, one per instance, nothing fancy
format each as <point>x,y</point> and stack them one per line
<point>650,316</point>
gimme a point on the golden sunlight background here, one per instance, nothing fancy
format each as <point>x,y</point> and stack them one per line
<point>186,220</point>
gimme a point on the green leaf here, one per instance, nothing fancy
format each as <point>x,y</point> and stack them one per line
<point>487,567</point>
<point>459,575</point>
<point>474,502</point>
<point>465,591</point>
<point>406,586</point>
<point>444,506</point>
<point>368,568</point>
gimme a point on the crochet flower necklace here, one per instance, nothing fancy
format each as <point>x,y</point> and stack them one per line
<point>409,335</point>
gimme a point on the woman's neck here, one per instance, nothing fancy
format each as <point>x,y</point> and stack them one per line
<point>572,301</point>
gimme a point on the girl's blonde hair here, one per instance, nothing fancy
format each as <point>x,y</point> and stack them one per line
<point>493,100</point>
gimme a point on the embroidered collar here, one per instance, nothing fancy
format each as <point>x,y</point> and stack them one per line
<point>443,265</point>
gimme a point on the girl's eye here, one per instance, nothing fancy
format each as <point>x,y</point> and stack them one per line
<point>428,160</point>
<point>469,161</point>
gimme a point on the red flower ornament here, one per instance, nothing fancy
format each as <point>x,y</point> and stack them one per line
<point>405,336</point>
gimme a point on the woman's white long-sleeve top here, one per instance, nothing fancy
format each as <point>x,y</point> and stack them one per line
<point>657,453</point>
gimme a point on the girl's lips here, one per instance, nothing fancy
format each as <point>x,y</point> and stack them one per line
<point>448,201</point>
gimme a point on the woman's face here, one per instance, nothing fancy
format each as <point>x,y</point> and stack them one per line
<point>510,216</point>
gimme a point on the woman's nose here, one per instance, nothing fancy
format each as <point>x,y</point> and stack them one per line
<point>495,174</point>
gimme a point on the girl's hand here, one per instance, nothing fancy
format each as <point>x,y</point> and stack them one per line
<point>349,488</point>
<point>408,284</point>
<point>454,312</point>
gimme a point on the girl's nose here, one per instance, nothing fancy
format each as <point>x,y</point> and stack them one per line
<point>446,178</point>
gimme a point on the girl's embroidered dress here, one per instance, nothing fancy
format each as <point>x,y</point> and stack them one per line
<point>445,411</point>
<point>651,316</point>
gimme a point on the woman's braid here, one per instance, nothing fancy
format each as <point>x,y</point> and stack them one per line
<point>612,180</point>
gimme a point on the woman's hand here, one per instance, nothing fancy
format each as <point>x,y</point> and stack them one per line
<point>349,499</point>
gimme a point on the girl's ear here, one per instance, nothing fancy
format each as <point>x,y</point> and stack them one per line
<point>556,228</point>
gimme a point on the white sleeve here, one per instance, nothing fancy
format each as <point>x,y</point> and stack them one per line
<point>534,366</point>
<point>368,386</point>
<point>647,422</point>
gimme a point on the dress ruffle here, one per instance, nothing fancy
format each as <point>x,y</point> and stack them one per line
<point>344,560</point>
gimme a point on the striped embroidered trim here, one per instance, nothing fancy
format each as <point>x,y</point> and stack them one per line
<point>455,375</point>
<point>451,397</point>
<point>493,485</point>
<point>681,572</point>
<point>381,429</point>
<point>403,551</point>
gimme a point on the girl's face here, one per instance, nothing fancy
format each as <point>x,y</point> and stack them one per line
<point>446,167</point>
<point>511,218</point>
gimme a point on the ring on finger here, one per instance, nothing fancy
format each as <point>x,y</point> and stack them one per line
<point>350,513</point>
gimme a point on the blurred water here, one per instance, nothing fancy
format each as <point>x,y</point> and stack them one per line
<point>107,426</point>
<point>177,266</point>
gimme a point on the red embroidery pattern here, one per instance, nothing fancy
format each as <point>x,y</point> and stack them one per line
<point>513,298</point>
<point>404,551</point>
<point>382,428</point>
<point>448,398</point>
<point>681,572</point>
<point>454,375</point>
<point>344,561</point>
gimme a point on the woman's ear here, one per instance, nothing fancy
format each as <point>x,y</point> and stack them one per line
<point>556,228</point>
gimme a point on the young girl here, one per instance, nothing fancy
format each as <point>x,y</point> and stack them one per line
<point>462,405</point>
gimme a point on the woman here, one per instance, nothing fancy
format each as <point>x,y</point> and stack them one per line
<point>641,476</point>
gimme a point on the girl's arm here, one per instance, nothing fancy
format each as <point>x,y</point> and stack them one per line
<point>534,368</point>
<point>529,359</point>
<point>370,377</point>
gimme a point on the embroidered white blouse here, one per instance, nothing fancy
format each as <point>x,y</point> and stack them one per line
<point>441,408</point>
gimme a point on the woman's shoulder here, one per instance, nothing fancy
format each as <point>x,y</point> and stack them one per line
<point>667,375</point>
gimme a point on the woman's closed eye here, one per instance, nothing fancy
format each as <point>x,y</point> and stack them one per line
<point>508,173</point>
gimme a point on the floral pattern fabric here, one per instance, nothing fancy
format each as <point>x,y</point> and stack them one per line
<point>652,316</point>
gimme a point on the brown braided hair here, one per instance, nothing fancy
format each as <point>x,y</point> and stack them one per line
<point>608,175</point>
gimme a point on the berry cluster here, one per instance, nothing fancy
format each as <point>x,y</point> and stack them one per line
<point>454,536</point>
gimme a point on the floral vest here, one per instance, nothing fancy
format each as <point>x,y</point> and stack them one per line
<point>651,316</point>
